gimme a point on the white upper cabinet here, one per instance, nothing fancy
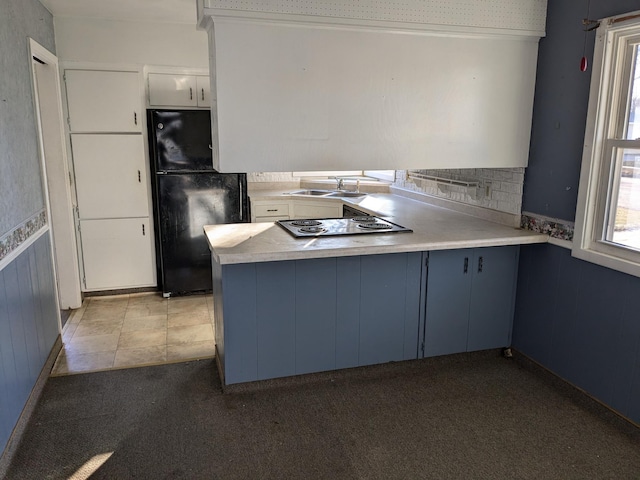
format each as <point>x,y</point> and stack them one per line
<point>175,90</point>
<point>204,91</point>
<point>103,101</point>
<point>110,176</point>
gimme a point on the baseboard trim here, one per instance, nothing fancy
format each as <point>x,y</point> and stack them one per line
<point>578,394</point>
<point>29,407</point>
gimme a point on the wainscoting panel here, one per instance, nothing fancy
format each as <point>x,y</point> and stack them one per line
<point>28,328</point>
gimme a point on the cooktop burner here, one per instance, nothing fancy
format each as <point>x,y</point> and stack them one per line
<point>305,223</point>
<point>375,226</point>
<point>340,226</point>
<point>312,229</point>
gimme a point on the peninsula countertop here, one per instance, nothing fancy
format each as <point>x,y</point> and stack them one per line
<point>434,228</point>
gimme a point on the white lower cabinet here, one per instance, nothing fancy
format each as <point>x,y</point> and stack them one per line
<point>117,253</point>
<point>274,210</point>
<point>269,211</point>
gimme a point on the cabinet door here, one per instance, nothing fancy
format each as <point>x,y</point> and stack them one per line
<point>316,210</point>
<point>447,302</point>
<point>203,89</point>
<point>492,297</point>
<point>172,90</point>
<point>110,176</point>
<point>389,307</point>
<point>103,101</point>
<point>117,253</point>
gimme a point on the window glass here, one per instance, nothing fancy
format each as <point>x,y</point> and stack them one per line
<point>632,125</point>
<point>623,225</point>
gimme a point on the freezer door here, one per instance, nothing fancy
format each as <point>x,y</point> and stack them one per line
<point>187,202</point>
<point>181,140</point>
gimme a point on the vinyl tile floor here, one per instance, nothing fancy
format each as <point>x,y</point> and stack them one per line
<point>123,331</point>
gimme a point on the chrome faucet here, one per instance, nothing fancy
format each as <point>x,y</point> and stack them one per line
<point>339,183</point>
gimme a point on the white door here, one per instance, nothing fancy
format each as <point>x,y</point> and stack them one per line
<point>110,176</point>
<point>203,87</point>
<point>103,101</point>
<point>55,170</point>
<point>172,90</point>
<point>117,253</point>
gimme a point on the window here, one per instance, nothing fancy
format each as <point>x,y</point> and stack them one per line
<point>608,214</point>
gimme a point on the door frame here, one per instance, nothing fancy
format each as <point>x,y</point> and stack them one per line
<point>56,181</point>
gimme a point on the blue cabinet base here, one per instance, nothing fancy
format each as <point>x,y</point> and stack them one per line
<point>277,319</point>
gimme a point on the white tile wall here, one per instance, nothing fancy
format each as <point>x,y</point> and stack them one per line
<point>499,189</point>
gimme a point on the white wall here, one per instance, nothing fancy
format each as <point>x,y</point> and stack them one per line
<point>122,42</point>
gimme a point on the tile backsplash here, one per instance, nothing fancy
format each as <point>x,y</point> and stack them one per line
<point>497,188</point>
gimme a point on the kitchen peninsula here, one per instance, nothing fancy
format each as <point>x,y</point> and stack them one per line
<point>287,306</point>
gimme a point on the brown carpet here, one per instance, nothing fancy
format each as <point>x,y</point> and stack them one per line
<point>471,416</point>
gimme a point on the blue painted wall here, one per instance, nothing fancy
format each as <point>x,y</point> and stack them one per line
<point>28,317</point>
<point>28,328</point>
<point>20,181</point>
<point>577,319</point>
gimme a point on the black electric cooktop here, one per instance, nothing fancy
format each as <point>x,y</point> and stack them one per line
<point>341,226</point>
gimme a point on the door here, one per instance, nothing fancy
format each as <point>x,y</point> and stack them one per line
<point>55,171</point>
<point>103,101</point>
<point>181,140</point>
<point>110,174</point>
<point>173,90</point>
<point>203,87</point>
<point>186,203</point>
<point>447,302</point>
<point>492,297</point>
<point>117,253</point>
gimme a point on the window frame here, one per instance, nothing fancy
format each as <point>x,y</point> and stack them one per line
<point>606,117</point>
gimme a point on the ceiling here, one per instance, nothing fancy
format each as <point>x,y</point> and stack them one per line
<point>171,11</point>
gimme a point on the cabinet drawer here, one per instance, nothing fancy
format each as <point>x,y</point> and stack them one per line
<point>271,210</point>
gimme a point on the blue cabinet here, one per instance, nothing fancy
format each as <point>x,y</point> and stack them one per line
<point>277,319</point>
<point>469,299</point>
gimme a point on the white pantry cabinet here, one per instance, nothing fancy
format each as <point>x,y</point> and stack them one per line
<point>117,253</point>
<point>175,90</point>
<point>116,246</point>
<point>111,180</point>
<point>103,101</point>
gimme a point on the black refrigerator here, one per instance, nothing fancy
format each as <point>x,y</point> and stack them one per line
<point>188,194</point>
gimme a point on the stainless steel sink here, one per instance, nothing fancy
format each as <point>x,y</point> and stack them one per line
<point>315,193</point>
<point>327,193</point>
<point>346,194</point>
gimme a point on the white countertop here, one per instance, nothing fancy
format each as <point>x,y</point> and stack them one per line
<point>434,228</point>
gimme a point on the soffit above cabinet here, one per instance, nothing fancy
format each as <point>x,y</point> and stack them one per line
<point>521,17</point>
<point>353,85</point>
